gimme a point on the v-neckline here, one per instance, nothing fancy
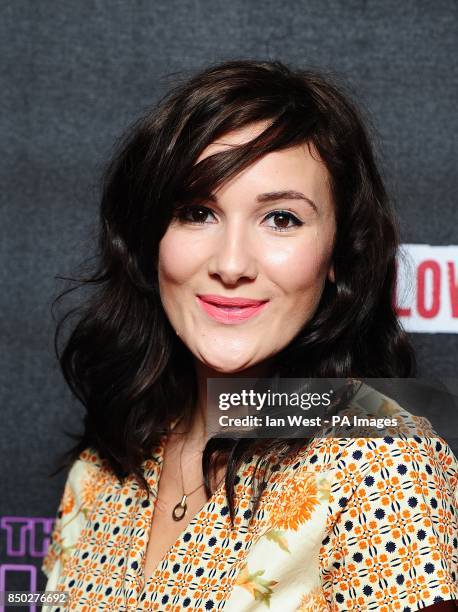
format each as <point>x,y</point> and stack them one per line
<point>153,475</point>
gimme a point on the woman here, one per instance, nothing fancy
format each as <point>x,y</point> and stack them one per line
<point>256,183</point>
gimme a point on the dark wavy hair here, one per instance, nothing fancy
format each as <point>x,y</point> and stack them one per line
<point>123,360</point>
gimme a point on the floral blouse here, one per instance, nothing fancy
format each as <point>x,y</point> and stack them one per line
<point>347,524</point>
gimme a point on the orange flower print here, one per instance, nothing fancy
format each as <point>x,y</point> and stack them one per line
<point>68,500</point>
<point>313,601</point>
<point>388,600</point>
<point>379,457</point>
<point>409,556</point>
<point>295,502</point>
<point>390,489</point>
<point>90,486</point>
<point>417,590</point>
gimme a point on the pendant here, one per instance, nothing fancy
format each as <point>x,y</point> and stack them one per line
<point>180,509</point>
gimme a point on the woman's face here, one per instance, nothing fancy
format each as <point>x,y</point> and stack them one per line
<point>275,248</point>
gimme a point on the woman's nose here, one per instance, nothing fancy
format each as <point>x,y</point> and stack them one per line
<point>233,257</point>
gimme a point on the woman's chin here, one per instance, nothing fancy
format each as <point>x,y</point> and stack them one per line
<point>226,368</point>
<point>225,364</point>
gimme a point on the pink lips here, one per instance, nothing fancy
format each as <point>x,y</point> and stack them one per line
<point>230,310</point>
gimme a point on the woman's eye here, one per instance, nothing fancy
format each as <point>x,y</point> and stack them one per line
<point>193,214</point>
<point>283,217</point>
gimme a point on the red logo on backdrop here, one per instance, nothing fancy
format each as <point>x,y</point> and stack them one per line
<point>427,288</point>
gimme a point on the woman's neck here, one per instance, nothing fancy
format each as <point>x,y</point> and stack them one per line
<point>197,433</point>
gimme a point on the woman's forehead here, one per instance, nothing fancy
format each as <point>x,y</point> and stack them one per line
<point>296,168</point>
<point>234,139</point>
<point>245,134</point>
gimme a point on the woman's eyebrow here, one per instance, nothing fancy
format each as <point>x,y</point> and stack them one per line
<point>272,196</point>
<point>285,195</point>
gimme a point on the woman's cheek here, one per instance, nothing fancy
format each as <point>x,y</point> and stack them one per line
<point>296,268</point>
<point>176,257</point>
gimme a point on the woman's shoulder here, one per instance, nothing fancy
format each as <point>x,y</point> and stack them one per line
<point>392,513</point>
<point>409,445</point>
<point>381,511</point>
<point>87,477</point>
<point>92,457</point>
<point>424,462</point>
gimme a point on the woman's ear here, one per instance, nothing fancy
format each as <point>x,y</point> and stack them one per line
<point>331,275</point>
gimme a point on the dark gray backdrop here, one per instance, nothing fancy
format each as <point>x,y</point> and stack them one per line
<point>74,74</point>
